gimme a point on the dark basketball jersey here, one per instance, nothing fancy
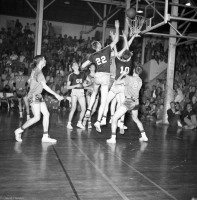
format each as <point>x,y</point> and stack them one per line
<point>77,79</point>
<point>21,81</point>
<point>102,59</point>
<point>122,66</point>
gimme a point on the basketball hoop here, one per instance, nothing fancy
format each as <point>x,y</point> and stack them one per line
<point>135,25</point>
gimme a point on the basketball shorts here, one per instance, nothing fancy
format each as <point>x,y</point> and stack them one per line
<point>102,78</point>
<point>20,93</point>
<point>131,104</point>
<point>112,79</point>
<point>35,98</point>
<point>89,93</point>
<point>77,92</point>
<point>116,89</point>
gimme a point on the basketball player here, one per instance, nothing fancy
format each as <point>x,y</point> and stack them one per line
<point>37,83</point>
<point>76,84</point>
<point>101,59</point>
<point>116,93</point>
<point>90,79</point>
<point>133,85</point>
<point>20,82</point>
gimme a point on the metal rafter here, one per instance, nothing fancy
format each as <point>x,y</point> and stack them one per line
<point>111,2</point>
<point>92,7</point>
<point>108,16</point>
<point>167,19</point>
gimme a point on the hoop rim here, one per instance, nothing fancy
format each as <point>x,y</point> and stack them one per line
<point>135,24</point>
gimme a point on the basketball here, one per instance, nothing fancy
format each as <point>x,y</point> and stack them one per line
<point>131,13</point>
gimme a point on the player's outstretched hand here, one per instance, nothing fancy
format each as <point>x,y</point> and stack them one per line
<point>58,97</point>
<point>124,34</point>
<point>117,24</point>
<point>112,35</point>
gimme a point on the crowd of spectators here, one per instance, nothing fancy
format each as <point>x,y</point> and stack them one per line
<point>17,49</point>
<point>183,108</point>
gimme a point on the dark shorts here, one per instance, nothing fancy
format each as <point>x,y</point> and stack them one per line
<point>35,99</point>
<point>21,93</point>
<point>131,104</point>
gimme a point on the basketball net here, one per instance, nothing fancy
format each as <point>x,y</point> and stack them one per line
<point>135,25</point>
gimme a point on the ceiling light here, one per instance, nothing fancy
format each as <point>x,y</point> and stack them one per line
<point>188,4</point>
<point>67,2</point>
<point>140,11</point>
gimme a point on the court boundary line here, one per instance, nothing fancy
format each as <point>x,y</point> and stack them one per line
<point>145,177</point>
<point>131,167</point>
<point>102,174</point>
<point>67,176</point>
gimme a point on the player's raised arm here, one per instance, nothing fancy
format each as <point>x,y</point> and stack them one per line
<point>125,44</point>
<point>131,39</point>
<point>85,64</point>
<point>116,38</point>
<point>112,35</point>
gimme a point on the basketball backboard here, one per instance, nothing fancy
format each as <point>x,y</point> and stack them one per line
<point>159,18</point>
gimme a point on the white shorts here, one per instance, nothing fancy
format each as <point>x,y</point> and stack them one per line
<point>116,89</point>
<point>77,92</point>
<point>102,78</point>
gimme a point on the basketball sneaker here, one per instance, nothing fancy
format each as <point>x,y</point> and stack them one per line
<point>84,121</point>
<point>80,125</point>
<point>143,138</point>
<point>103,121</point>
<point>69,126</point>
<point>18,133</point>
<point>97,126</point>
<point>112,139</point>
<point>47,139</point>
<point>89,125</point>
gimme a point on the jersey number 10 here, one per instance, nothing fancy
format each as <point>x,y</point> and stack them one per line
<point>122,69</point>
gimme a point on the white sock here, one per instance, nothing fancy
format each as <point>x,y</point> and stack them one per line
<point>113,137</point>
<point>45,135</point>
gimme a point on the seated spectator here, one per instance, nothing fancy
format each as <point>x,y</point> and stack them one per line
<point>64,104</point>
<point>145,109</point>
<point>179,97</point>
<point>194,104</point>
<point>153,91</point>
<point>147,92</point>
<point>159,114</point>
<point>158,92</point>
<point>1,85</point>
<point>152,113</point>
<point>189,117</point>
<point>192,92</point>
<point>174,116</point>
<point>64,89</point>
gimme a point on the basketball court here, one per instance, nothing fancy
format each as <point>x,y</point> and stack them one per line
<point>83,166</point>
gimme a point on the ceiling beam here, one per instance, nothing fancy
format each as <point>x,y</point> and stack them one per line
<point>111,2</point>
<point>49,4</point>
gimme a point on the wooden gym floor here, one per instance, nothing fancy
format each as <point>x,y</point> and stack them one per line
<point>83,166</point>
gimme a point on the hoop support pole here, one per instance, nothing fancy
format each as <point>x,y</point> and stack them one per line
<point>153,27</point>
